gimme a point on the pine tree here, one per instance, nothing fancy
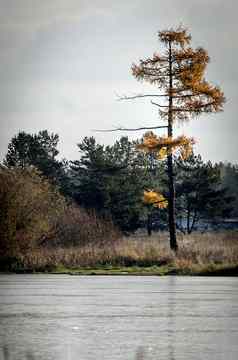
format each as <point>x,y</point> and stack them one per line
<point>111,179</point>
<point>178,74</point>
<point>38,150</point>
<point>200,192</point>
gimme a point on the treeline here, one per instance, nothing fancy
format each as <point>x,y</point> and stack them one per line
<point>47,201</point>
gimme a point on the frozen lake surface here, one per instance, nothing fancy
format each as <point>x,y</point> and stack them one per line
<point>60,317</point>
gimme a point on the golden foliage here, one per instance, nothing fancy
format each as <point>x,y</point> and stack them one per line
<point>177,36</point>
<point>149,143</point>
<point>163,146</point>
<point>154,198</point>
<point>191,94</point>
<point>193,57</point>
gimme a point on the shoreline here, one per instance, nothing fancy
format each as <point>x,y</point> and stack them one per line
<point>211,270</point>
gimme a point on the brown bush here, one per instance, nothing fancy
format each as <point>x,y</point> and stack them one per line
<point>76,227</point>
<point>33,214</point>
<point>29,206</point>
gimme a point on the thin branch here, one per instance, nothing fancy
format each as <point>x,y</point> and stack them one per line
<point>160,201</point>
<point>158,95</point>
<point>136,129</point>
<point>152,61</point>
<point>157,76</point>
<point>155,68</point>
<point>185,96</point>
<point>151,68</point>
<point>138,96</point>
<point>156,104</point>
<point>194,109</point>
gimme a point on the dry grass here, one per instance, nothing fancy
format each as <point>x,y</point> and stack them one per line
<point>196,251</point>
<point>211,249</point>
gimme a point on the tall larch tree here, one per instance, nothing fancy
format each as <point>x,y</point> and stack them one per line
<point>183,93</point>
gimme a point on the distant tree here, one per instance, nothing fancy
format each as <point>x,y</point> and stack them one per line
<point>24,148</point>
<point>179,72</point>
<point>229,179</point>
<point>39,150</point>
<point>200,194</point>
<point>88,175</point>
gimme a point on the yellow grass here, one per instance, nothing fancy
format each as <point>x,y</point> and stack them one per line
<point>196,251</point>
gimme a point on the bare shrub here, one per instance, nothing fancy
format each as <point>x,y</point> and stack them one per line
<point>76,227</point>
<point>29,205</point>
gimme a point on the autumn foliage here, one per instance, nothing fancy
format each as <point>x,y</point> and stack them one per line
<point>190,93</point>
<point>155,199</point>
<point>162,146</point>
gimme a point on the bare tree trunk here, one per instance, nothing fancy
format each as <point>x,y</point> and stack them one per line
<point>188,219</point>
<point>193,222</point>
<point>171,199</point>
<point>149,224</point>
<point>171,205</point>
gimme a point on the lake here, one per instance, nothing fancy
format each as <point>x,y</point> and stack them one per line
<point>61,317</point>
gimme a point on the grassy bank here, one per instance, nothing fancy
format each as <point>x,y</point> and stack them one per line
<point>201,254</point>
<point>212,270</point>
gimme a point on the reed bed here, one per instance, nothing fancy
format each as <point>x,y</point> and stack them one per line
<point>196,251</point>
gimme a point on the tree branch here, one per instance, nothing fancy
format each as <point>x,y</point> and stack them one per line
<point>185,96</point>
<point>162,106</point>
<point>135,129</point>
<point>138,96</point>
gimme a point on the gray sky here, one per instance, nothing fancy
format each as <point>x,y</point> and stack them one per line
<point>64,61</point>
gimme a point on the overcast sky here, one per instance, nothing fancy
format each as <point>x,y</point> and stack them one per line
<point>62,62</point>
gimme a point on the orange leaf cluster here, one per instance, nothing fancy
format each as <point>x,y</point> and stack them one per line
<point>163,146</point>
<point>155,199</point>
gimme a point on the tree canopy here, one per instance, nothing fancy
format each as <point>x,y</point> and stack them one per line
<point>111,179</point>
<point>38,150</point>
<point>200,193</point>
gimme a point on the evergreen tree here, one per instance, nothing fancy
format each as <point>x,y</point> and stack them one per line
<point>111,179</point>
<point>200,194</point>
<point>39,150</point>
<point>88,175</point>
<point>229,179</point>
